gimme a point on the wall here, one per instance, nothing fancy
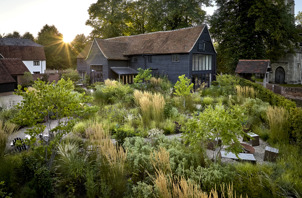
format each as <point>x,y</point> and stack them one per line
<point>209,50</point>
<point>291,64</point>
<point>96,57</point>
<point>163,65</point>
<point>39,68</point>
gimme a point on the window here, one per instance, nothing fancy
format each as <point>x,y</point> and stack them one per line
<point>36,72</point>
<point>134,59</point>
<point>201,46</point>
<point>202,62</point>
<point>36,63</point>
<point>150,59</point>
<point>175,57</point>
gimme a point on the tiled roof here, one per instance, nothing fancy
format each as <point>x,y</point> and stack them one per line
<point>252,66</point>
<point>14,66</point>
<point>163,42</point>
<point>5,76</point>
<point>24,49</point>
<point>113,50</point>
<point>18,42</point>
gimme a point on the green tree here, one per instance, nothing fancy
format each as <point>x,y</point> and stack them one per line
<point>252,30</point>
<point>107,18</point>
<point>299,18</point>
<point>79,43</point>
<point>15,34</point>
<point>46,102</point>
<point>183,88</point>
<point>111,18</point>
<point>58,54</point>
<point>217,123</point>
<point>28,35</point>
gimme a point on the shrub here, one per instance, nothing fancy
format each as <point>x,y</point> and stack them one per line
<point>112,92</point>
<point>207,100</point>
<point>295,125</point>
<point>122,132</point>
<point>27,79</point>
<point>143,75</point>
<point>71,74</point>
<point>168,126</point>
<point>80,129</point>
<point>255,181</point>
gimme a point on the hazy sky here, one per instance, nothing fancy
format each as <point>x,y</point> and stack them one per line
<point>69,16</point>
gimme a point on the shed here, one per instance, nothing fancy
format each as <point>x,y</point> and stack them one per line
<point>258,68</point>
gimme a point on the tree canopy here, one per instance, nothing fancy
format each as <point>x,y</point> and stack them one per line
<point>252,30</point>
<point>111,18</point>
<point>58,54</point>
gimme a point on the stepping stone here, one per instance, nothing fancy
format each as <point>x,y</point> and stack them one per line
<point>270,154</point>
<point>242,156</point>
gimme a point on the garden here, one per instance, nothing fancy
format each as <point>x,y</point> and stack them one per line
<point>148,139</point>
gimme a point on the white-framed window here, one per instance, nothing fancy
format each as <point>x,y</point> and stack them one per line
<point>36,63</point>
<point>201,62</point>
<point>175,57</point>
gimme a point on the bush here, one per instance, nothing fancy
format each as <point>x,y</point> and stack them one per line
<point>207,100</point>
<point>295,126</point>
<point>120,133</point>
<point>168,126</point>
<point>80,129</point>
<point>112,92</point>
<point>71,74</point>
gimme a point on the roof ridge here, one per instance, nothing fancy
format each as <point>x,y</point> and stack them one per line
<point>148,33</point>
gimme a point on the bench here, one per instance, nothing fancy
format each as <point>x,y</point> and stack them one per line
<point>254,140</point>
<point>270,154</point>
<point>242,156</point>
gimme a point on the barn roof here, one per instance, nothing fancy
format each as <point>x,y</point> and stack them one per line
<point>252,66</point>
<point>163,42</point>
<point>24,49</point>
<point>5,76</point>
<point>14,66</point>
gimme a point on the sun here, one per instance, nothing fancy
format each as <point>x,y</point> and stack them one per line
<point>67,38</point>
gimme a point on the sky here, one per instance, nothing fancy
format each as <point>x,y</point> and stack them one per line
<point>68,16</point>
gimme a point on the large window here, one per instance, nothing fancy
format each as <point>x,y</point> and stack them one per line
<point>202,62</point>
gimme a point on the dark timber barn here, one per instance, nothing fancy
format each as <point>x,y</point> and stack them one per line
<point>188,51</point>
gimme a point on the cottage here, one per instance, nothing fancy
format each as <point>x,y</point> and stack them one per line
<point>11,70</point>
<point>31,53</point>
<point>188,51</point>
